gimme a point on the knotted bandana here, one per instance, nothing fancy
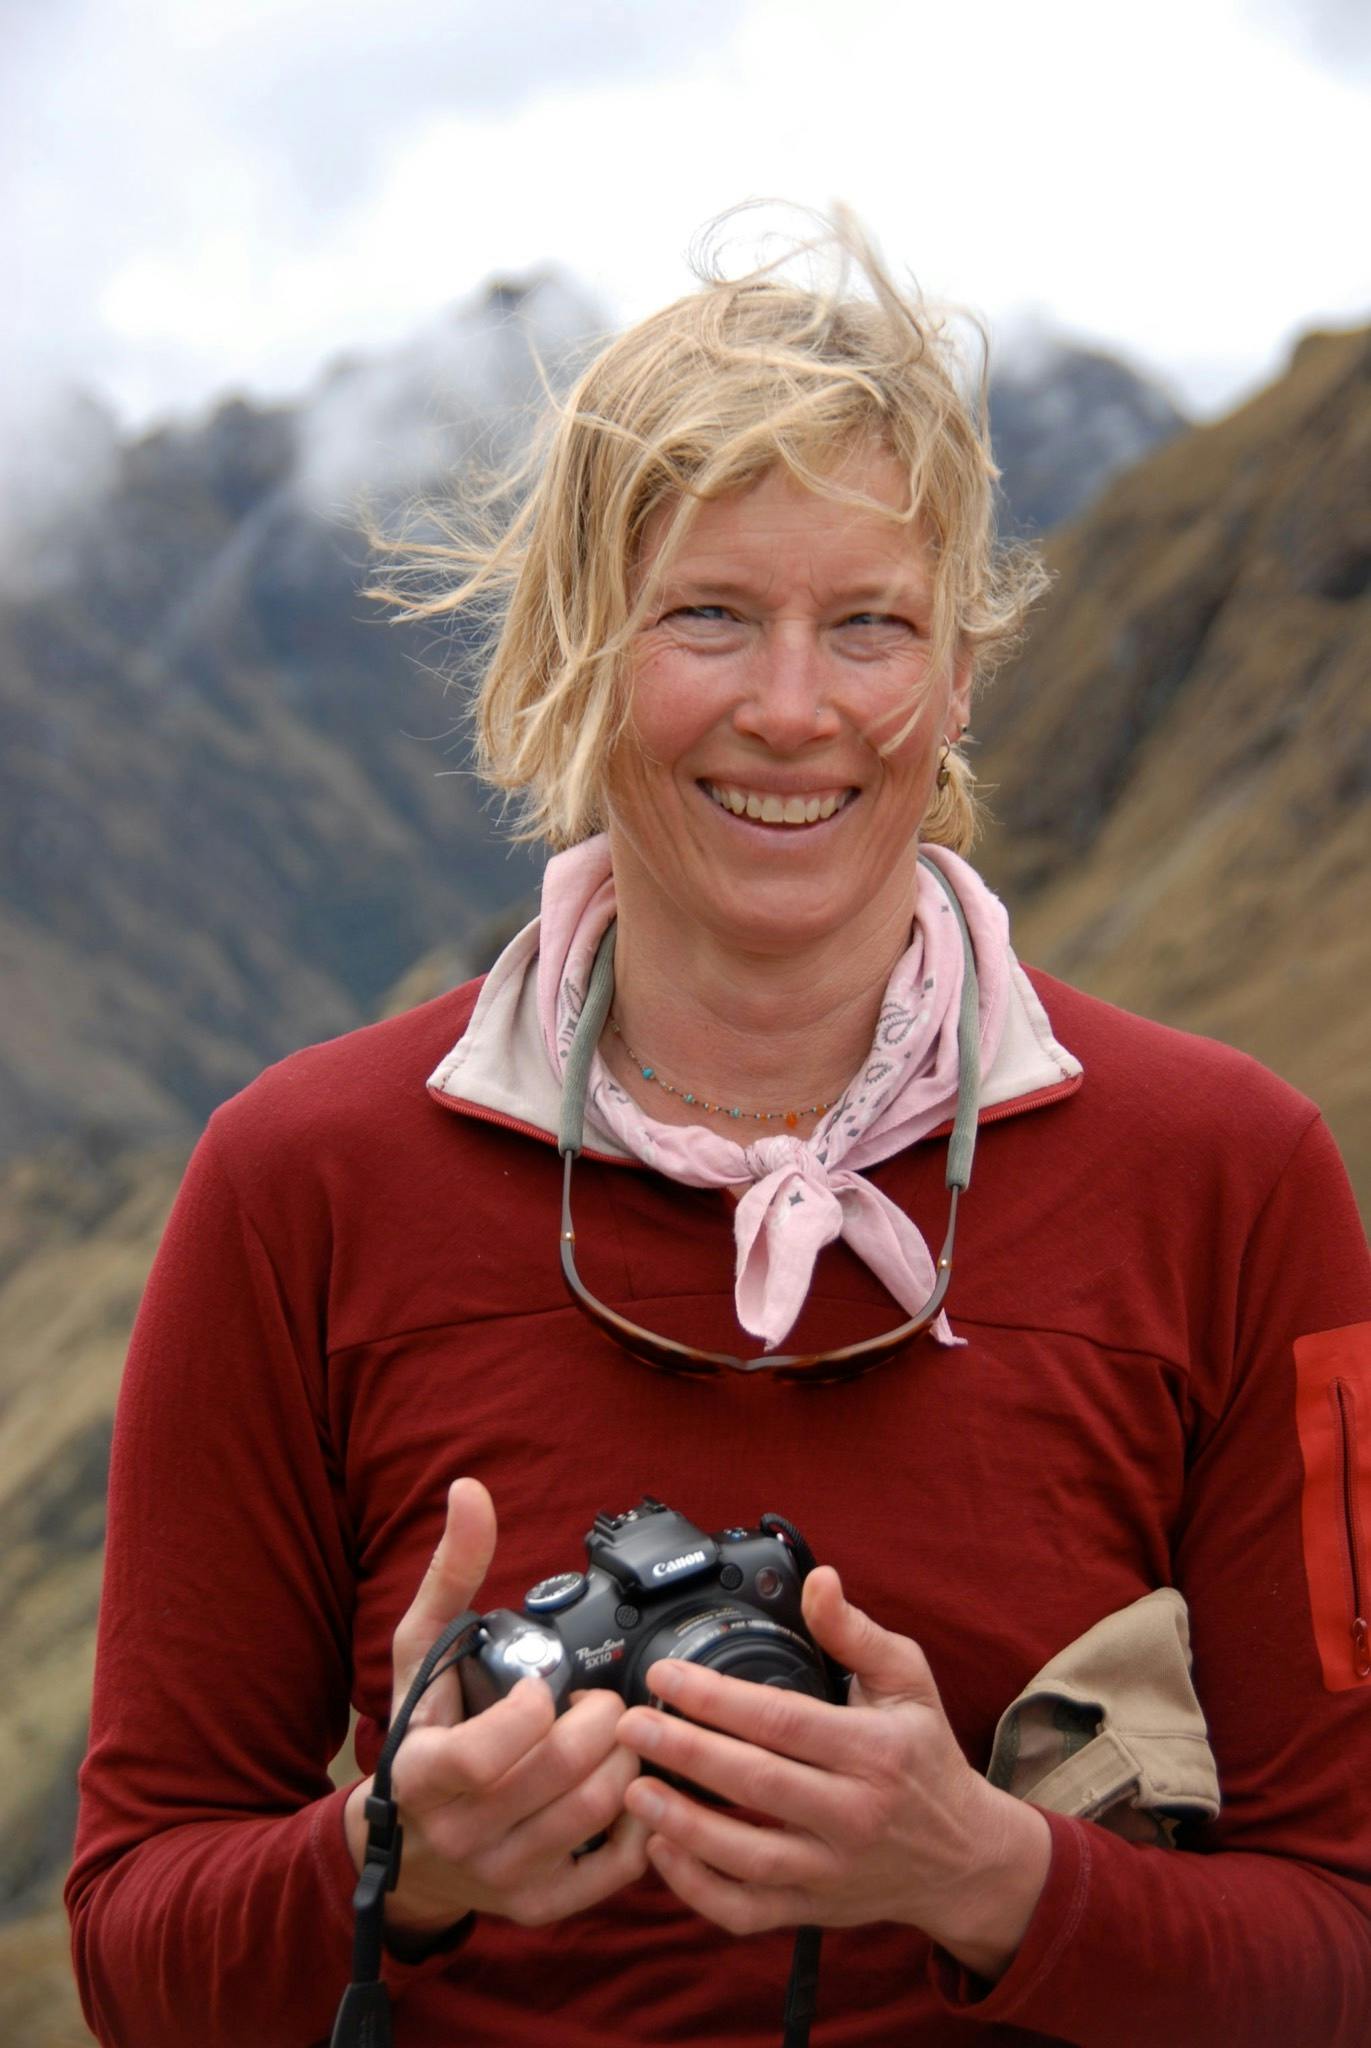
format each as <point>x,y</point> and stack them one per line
<point>802,1193</point>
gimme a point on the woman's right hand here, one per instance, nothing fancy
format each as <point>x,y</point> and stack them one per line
<point>493,1807</point>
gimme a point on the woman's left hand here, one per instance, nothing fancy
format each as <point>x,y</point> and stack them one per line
<point>874,1812</point>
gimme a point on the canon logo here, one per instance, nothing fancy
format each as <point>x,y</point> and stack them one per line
<point>677,1564</point>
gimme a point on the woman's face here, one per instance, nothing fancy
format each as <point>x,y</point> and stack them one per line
<point>789,643</point>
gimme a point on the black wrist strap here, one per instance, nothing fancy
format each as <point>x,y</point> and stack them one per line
<point>363,2019</point>
<point>803,1989</point>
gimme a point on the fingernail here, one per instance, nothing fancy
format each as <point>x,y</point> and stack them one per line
<point>665,1679</point>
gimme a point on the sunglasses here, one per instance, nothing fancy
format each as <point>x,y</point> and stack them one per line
<point>812,1368</point>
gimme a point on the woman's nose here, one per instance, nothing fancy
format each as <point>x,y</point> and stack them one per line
<point>786,700</point>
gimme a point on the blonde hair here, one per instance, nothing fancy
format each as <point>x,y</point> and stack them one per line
<point>700,400</point>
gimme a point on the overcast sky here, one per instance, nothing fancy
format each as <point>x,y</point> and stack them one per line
<point>201,195</point>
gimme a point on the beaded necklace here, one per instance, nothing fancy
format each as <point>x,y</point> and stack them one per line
<point>789,1117</point>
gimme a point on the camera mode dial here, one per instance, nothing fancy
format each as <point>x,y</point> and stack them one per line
<point>550,1596</point>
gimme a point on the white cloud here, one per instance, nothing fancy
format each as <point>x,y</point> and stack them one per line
<point>222,194</point>
<point>1336,33</point>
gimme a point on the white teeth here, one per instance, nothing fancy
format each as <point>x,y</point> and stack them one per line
<point>770,809</point>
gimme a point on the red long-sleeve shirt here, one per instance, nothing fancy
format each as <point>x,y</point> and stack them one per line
<point>358,1298</point>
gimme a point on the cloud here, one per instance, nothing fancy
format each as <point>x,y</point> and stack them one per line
<point>166,167</point>
<point>59,453</point>
<point>222,194</point>
<point>386,426</point>
<point>1336,33</point>
<point>328,92</point>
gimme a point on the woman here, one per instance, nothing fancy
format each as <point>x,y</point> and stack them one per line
<point>749,598</point>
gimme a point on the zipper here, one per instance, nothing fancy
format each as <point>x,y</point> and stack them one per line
<point>1346,1413</point>
<point>1039,1100</point>
<point>1015,1106</point>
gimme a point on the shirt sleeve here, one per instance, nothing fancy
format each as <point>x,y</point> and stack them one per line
<point>1259,1929</point>
<point>210,1893</point>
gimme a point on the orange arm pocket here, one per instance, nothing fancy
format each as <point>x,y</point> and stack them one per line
<point>1333,1416</point>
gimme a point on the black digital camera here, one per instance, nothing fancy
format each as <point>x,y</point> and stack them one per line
<point>656,1586</point>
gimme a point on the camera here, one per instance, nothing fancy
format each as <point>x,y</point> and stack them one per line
<point>654,1586</point>
<point>657,1586</point>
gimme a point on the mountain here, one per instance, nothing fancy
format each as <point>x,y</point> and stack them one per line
<point>234,804</point>
<point>1065,421</point>
<point>1182,753</point>
<point>77,1233</point>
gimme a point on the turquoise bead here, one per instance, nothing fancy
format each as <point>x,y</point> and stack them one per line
<point>649,1073</point>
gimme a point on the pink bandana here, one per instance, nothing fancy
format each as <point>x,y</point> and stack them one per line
<point>802,1192</point>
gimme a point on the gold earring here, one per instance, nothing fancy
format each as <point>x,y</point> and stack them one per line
<point>944,775</point>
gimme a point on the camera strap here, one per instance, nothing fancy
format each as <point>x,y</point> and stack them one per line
<point>802,1991</point>
<point>363,2018</point>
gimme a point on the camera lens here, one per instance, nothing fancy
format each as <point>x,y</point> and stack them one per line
<point>738,1644</point>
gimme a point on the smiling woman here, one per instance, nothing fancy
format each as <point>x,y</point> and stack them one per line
<point>856,401</point>
<point>773,1011</point>
<point>785,728</point>
<point>763,805</point>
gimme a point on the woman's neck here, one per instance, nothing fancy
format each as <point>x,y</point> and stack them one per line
<point>768,1031</point>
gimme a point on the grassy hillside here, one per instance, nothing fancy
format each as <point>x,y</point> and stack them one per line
<point>1182,755</point>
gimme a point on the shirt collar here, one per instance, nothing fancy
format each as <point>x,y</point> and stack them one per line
<point>500,1066</point>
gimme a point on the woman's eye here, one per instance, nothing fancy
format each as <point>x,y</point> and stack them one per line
<point>887,620</point>
<point>710,613</point>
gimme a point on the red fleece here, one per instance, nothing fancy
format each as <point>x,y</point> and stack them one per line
<point>358,1298</point>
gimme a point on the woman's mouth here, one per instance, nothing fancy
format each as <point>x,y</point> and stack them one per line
<point>804,807</point>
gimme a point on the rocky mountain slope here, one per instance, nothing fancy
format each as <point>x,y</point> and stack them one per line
<point>232,806</point>
<point>1182,754</point>
<point>77,1234</point>
<point>1066,421</point>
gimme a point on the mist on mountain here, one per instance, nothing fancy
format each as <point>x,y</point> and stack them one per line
<point>59,457</point>
<point>1068,419</point>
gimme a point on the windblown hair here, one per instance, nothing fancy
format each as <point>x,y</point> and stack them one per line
<point>700,400</point>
